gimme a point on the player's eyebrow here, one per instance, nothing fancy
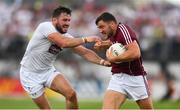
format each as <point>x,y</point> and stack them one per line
<point>100,26</point>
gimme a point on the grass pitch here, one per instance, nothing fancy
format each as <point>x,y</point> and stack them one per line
<point>27,103</point>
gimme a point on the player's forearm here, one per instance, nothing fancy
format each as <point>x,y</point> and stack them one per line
<point>87,54</point>
<point>70,42</point>
<point>132,52</point>
<point>92,57</point>
<point>128,56</point>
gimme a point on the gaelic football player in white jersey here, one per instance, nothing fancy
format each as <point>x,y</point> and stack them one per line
<point>37,71</point>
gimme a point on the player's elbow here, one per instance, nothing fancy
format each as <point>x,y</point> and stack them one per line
<point>136,54</point>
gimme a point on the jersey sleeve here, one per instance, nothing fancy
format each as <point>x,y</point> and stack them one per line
<point>47,28</point>
<point>128,35</point>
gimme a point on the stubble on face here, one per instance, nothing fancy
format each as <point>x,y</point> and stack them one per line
<point>110,32</point>
<point>59,29</point>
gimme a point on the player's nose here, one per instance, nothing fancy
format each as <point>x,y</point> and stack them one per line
<point>67,23</point>
<point>100,30</point>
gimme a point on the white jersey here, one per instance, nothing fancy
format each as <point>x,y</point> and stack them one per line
<point>41,53</point>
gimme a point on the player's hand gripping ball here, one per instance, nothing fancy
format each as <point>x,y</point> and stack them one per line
<point>115,50</point>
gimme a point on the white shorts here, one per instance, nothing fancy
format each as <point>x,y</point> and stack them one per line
<point>35,83</point>
<point>134,87</point>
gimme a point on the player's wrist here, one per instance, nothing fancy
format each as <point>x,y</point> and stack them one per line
<point>84,40</point>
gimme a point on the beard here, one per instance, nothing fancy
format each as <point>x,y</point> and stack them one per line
<point>111,33</point>
<point>59,29</point>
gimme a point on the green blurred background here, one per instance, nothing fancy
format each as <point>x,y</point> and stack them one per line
<point>9,103</point>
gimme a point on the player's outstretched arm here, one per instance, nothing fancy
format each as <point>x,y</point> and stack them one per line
<point>66,42</point>
<point>90,56</point>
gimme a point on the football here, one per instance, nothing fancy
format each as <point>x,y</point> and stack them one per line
<point>117,49</point>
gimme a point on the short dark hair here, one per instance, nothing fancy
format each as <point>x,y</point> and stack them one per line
<point>59,10</point>
<point>106,17</point>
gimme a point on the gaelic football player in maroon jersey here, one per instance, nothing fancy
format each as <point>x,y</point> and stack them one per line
<point>128,77</point>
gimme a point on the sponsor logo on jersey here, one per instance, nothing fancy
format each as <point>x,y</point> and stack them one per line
<point>54,49</point>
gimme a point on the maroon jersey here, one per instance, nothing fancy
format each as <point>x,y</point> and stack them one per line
<point>126,35</point>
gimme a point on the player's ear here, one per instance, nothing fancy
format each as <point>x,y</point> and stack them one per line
<point>54,20</point>
<point>112,23</point>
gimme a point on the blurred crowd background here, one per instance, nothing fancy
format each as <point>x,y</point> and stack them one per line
<point>156,22</point>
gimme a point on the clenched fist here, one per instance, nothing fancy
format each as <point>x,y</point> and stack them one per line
<point>93,39</point>
<point>102,45</point>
